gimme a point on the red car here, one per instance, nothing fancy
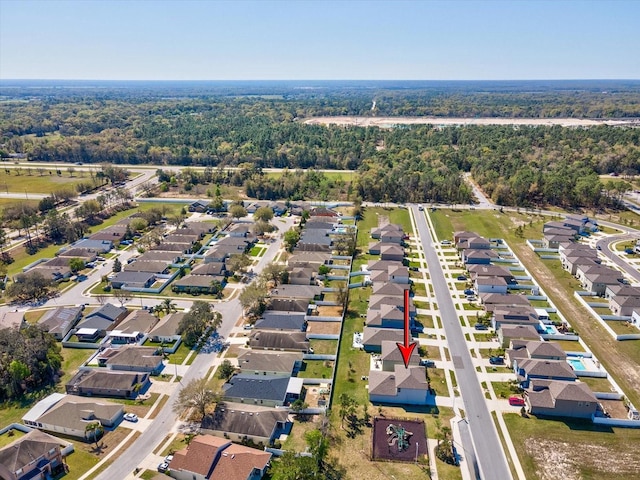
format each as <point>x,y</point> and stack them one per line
<point>516,401</point>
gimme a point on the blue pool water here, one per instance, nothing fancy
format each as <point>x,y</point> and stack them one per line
<point>576,364</point>
<point>550,329</point>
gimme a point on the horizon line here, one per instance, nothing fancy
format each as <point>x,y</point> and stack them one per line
<point>321,79</point>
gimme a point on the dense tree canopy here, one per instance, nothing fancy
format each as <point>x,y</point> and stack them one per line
<point>29,360</point>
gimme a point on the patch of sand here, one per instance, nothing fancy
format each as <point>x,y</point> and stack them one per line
<point>388,122</point>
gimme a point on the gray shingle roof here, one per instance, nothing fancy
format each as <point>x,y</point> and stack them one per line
<point>274,320</point>
<point>243,419</point>
<point>264,387</point>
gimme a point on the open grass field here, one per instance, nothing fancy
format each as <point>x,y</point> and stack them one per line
<point>36,183</point>
<point>622,359</point>
<point>371,218</point>
<point>72,358</point>
<point>553,449</point>
<point>6,202</point>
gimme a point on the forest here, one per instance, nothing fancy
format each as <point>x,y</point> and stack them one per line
<point>524,166</point>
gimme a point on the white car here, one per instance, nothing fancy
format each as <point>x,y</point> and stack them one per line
<point>131,417</point>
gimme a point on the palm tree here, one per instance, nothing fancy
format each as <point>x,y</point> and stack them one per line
<point>93,429</point>
<point>168,306</point>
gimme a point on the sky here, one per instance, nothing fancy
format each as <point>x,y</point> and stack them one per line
<point>320,40</point>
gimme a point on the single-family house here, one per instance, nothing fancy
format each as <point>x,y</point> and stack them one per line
<point>127,279</point>
<point>297,292</point>
<point>181,236</point>
<point>583,270</point>
<point>213,268</point>
<point>59,321</point>
<point>624,305</point>
<point>178,248</point>
<point>524,349</point>
<point>54,274</point>
<point>159,256</point>
<point>264,390</point>
<point>34,456</point>
<point>391,356</point>
<point>85,254</point>
<point>491,285</point>
<point>157,267</point>
<point>202,227</point>
<point>211,458</point>
<point>491,271</point>
<point>389,316</point>
<point>131,358</point>
<point>597,283</point>
<point>289,305</point>
<point>391,252</point>
<point>114,233</point>
<point>478,257</point>
<point>166,330</point>
<point>133,327</point>
<point>561,399</point>
<point>302,276</point>
<point>275,340</point>
<point>198,284</point>
<point>473,243</point>
<point>101,246</point>
<point>315,240</point>
<point>70,415</point>
<point>372,338</point>
<point>199,206</point>
<point>508,333</point>
<point>504,315</point>
<point>107,383</point>
<point>260,362</point>
<point>241,422</point>
<point>11,319</point>
<point>493,301</point>
<point>274,320</point>
<point>403,386</point>
<point>532,368</point>
<point>304,258</point>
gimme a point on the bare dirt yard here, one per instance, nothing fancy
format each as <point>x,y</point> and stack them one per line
<point>329,311</point>
<point>324,327</point>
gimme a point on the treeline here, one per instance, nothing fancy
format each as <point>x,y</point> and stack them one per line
<point>31,360</point>
<point>515,165</point>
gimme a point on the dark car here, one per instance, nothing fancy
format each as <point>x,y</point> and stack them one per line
<point>480,326</point>
<point>468,291</point>
<point>496,360</point>
<point>462,278</point>
<point>427,363</point>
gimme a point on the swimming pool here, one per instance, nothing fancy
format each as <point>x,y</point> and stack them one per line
<point>576,363</point>
<point>550,329</point>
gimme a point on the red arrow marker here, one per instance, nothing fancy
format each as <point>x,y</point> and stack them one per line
<point>407,349</point>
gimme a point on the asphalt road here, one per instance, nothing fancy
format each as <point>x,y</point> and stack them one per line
<point>231,310</point>
<point>490,456</point>
<point>605,249</point>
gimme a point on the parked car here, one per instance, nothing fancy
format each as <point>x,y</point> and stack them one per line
<point>445,242</point>
<point>471,298</point>
<point>168,458</point>
<point>462,278</point>
<point>480,326</point>
<point>163,467</point>
<point>468,291</point>
<point>131,417</point>
<point>516,401</point>
<point>427,363</point>
<point>496,360</point>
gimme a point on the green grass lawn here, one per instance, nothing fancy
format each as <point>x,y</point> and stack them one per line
<point>571,449</point>
<point>316,369</point>
<point>36,183</point>
<point>72,358</point>
<point>569,346</point>
<point>597,384</point>
<point>180,355</point>
<point>324,346</point>
<point>10,436</point>
<point>504,389</point>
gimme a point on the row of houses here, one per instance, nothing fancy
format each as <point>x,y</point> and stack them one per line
<point>541,367</point>
<point>390,382</point>
<point>156,263</point>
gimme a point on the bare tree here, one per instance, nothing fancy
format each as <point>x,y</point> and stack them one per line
<point>197,394</point>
